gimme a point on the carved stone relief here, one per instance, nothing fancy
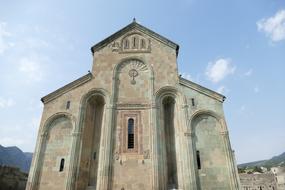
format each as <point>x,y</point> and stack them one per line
<point>132,43</point>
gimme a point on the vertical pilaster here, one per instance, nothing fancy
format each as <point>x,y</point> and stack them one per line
<point>231,163</point>
<point>34,178</point>
<point>155,183</point>
<point>105,157</point>
<point>190,160</point>
<point>74,156</point>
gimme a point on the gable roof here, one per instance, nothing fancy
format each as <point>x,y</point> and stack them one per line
<point>202,89</point>
<point>67,88</point>
<point>141,28</point>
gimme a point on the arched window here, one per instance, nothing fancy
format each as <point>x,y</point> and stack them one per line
<point>131,142</point>
<point>61,167</point>
<point>198,159</point>
<point>135,42</point>
<point>67,105</point>
<point>142,44</point>
<point>126,44</point>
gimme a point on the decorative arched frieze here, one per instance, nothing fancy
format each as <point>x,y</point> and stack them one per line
<point>139,63</point>
<point>135,42</point>
<point>133,77</point>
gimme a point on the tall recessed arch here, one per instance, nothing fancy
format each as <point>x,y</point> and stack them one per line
<point>168,100</point>
<point>168,111</point>
<point>57,129</point>
<point>93,109</point>
<point>210,151</point>
<point>133,81</point>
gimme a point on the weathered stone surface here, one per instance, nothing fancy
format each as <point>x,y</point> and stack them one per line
<point>264,181</point>
<point>133,123</point>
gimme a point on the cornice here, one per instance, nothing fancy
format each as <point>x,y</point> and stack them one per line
<point>202,89</point>
<point>67,88</point>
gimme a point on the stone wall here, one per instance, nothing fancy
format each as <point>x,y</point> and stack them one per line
<point>279,173</point>
<point>265,181</point>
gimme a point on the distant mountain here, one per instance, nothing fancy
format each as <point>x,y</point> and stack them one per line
<point>13,156</point>
<point>274,161</point>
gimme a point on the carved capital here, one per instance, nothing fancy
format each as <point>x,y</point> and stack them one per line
<point>224,133</point>
<point>116,155</point>
<point>44,135</point>
<point>146,154</point>
<point>76,134</point>
<point>189,134</point>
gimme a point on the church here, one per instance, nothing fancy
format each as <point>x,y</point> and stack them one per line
<point>133,123</point>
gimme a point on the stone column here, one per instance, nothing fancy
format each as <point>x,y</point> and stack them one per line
<point>155,161</point>
<point>106,146</point>
<point>231,163</point>
<point>37,163</point>
<point>190,163</point>
<point>73,162</point>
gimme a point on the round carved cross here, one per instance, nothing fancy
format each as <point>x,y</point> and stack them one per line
<point>133,73</point>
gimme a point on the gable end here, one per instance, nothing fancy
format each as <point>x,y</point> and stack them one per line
<point>202,89</point>
<point>135,25</point>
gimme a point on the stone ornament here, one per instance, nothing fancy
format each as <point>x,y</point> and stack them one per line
<point>146,154</point>
<point>133,73</point>
<point>116,156</point>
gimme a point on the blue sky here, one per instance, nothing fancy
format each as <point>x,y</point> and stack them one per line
<point>233,47</point>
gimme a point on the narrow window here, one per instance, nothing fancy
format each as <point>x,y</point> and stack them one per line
<point>126,44</point>
<point>67,105</point>
<point>131,133</point>
<point>94,155</point>
<point>193,101</point>
<point>135,42</point>
<point>198,159</point>
<point>61,165</point>
<point>142,44</point>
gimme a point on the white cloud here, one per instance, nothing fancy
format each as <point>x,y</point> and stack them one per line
<point>10,141</point>
<point>274,27</point>
<point>35,43</point>
<point>221,89</point>
<point>242,108</point>
<point>5,103</point>
<point>26,139</point>
<point>248,73</point>
<point>256,89</point>
<point>219,69</point>
<point>3,34</point>
<point>186,76</point>
<point>31,67</point>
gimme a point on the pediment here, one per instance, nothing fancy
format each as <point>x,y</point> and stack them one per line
<point>134,38</point>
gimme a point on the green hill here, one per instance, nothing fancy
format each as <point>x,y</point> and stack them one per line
<point>273,162</point>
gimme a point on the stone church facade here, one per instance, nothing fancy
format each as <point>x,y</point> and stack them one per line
<point>133,123</point>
